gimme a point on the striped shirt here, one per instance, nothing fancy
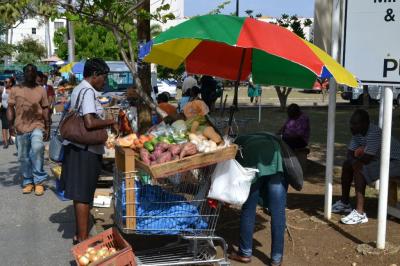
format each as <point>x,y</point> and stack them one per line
<point>372,143</point>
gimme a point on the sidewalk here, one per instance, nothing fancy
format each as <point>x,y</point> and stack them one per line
<point>34,230</point>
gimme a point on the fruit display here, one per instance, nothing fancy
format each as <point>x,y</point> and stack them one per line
<point>164,143</point>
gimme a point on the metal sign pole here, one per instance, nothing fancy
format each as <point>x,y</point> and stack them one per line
<point>384,171</point>
<point>330,143</point>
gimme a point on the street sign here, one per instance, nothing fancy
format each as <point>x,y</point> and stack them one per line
<point>371,40</point>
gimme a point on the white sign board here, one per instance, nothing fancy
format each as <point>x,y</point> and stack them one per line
<point>371,41</point>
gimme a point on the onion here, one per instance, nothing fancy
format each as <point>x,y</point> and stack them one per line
<point>83,260</point>
<point>112,250</point>
<point>102,252</point>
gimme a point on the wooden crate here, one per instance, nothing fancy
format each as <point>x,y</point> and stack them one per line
<point>125,162</point>
<point>188,163</point>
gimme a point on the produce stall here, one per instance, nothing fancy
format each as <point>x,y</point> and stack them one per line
<point>161,183</point>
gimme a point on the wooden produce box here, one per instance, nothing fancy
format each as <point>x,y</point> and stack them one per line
<point>125,163</point>
<point>188,163</point>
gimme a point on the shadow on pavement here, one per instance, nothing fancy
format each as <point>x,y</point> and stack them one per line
<point>11,177</point>
<point>66,220</point>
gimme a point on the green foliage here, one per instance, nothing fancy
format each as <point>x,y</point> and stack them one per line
<point>219,8</point>
<point>30,51</point>
<point>294,24</point>
<point>165,73</point>
<point>249,13</point>
<point>155,30</point>
<point>5,48</point>
<point>90,41</point>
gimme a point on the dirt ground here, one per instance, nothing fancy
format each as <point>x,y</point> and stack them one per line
<point>310,239</point>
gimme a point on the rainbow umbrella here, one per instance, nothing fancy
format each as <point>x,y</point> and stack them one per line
<point>234,47</point>
<point>67,68</point>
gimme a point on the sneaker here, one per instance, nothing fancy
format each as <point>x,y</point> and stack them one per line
<point>355,218</point>
<point>27,189</point>
<point>339,207</point>
<point>39,190</point>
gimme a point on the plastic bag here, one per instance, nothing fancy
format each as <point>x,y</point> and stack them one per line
<point>231,182</point>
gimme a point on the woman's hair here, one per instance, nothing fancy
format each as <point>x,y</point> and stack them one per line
<point>12,80</point>
<point>194,91</point>
<point>95,67</point>
<point>293,111</point>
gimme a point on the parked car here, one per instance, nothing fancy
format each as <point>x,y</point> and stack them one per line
<point>356,95</point>
<point>166,87</point>
<point>8,73</point>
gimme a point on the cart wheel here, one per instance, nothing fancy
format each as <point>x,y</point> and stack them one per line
<point>206,253</point>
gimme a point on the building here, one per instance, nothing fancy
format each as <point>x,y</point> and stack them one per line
<point>35,28</point>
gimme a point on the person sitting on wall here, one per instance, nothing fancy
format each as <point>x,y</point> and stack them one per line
<point>363,165</point>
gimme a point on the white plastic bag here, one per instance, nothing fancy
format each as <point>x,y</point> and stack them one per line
<point>231,182</point>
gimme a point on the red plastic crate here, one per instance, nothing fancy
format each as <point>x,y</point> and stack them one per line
<point>110,238</point>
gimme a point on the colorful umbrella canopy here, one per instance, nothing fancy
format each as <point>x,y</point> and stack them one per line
<point>67,68</point>
<point>226,46</point>
<point>78,67</point>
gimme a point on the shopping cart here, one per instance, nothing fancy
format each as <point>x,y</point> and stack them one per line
<point>176,205</point>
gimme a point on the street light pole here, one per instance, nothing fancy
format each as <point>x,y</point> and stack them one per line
<point>237,8</point>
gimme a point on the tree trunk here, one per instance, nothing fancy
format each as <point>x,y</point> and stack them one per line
<point>283,93</point>
<point>144,71</point>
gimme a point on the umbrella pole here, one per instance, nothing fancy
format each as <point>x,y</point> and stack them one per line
<point>234,105</point>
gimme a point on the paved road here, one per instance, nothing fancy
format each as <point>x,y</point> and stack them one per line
<point>34,230</point>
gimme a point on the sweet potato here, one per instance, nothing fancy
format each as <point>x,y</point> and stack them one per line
<point>164,157</point>
<point>188,149</point>
<point>156,153</point>
<point>162,145</point>
<point>175,149</point>
<point>144,155</point>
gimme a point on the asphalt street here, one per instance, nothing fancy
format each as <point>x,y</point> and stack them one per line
<point>34,230</point>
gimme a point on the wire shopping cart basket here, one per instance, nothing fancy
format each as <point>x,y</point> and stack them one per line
<point>175,205</point>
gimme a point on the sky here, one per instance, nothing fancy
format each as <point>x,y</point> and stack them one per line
<point>273,8</point>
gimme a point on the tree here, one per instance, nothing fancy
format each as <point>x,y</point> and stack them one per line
<point>219,8</point>
<point>30,51</point>
<point>249,13</point>
<point>120,17</point>
<point>90,41</point>
<point>5,48</point>
<point>297,27</point>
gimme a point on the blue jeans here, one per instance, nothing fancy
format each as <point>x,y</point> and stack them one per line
<point>31,157</point>
<point>275,187</point>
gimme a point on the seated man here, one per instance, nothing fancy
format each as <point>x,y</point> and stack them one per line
<point>363,165</point>
<point>162,100</point>
<point>296,130</point>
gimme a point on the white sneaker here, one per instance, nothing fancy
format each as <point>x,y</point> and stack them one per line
<point>339,207</point>
<point>355,218</point>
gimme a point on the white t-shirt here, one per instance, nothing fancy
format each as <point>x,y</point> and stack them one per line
<point>188,83</point>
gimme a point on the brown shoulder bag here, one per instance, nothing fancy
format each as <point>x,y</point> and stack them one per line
<point>72,127</point>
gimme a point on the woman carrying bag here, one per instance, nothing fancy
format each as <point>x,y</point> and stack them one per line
<point>81,165</point>
<point>4,94</point>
